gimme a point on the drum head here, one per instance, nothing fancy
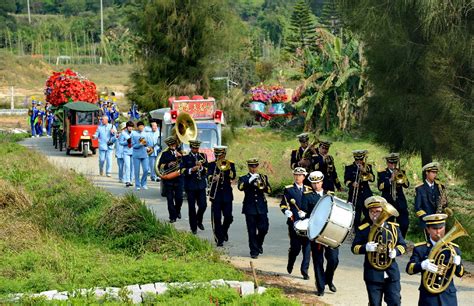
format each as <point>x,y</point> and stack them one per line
<point>319,216</point>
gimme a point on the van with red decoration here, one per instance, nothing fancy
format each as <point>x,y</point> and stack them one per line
<point>208,118</point>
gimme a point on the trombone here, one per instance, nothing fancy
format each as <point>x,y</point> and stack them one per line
<point>221,166</point>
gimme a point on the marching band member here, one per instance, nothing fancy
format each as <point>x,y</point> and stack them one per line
<point>419,262</point>
<point>155,144</point>
<point>125,140</point>
<point>106,135</point>
<point>119,152</point>
<point>297,155</point>
<point>392,190</point>
<point>194,168</point>
<point>380,283</point>
<point>173,188</point>
<point>254,207</point>
<point>428,194</point>
<point>140,142</point>
<point>319,251</point>
<point>221,172</point>
<point>324,162</point>
<point>33,115</point>
<point>357,177</point>
<point>290,203</point>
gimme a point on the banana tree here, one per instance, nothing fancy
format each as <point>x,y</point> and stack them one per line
<point>334,88</point>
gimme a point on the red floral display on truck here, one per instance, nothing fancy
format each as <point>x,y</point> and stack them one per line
<point>269,94</point>
<point>68,86</point>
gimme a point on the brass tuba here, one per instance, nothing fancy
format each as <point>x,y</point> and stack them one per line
<point>386,239</point>
<point>442,255</point>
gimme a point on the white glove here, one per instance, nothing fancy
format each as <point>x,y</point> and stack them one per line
<point>301,214</point>
<point>371,246</point>
<point>457,260</point>
<point>392,254</point>
<point>288,213</point>
<point>253,177</point>
<point>429,266</point>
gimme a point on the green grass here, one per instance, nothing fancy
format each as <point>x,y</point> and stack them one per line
<point>273,148</point>
<point>60,232</point>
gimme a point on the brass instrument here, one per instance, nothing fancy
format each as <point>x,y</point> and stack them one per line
<point>442,255</point>
<point>221,165</point>
<point>442,203</point>
<point>399,178</point>
<point>199,162</point>
<point>143,141</point>
<point>386,239</point>
<point>185,130</point>
<point>259,182</point>
<point>310,150</point>
<point>149,150</point>
<point>362,175</point>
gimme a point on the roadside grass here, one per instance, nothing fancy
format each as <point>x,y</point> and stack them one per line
<point>273,149</point>
<point>73,235</point>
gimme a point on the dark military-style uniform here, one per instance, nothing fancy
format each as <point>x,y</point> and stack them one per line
<point>426,199</point>
<point>327,167</point>
<point>221,197</point>
<point>296,156</point>
<point>319,251</point>
<point>364,191</point>
<point>195,184</point>
<point>297,243</point>
<point>380,283</point>
<point>400,204</point>
<point>445,298</point>
<point>255,210</point>
<point>174,187</point>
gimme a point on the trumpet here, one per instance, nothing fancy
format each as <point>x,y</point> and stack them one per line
<point>199,163</point>
<point>143,141</point>
<point>399,178</point>
<point>259,182</point>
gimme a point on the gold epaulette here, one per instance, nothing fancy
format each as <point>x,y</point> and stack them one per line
<point>420,243</point>
<point>308,188</point>
<point>419,185</point>
<point>381,171</point>
<point>308,192</point>
<point>365,225</point>
<point>394,223</point>
<point>289,186</point>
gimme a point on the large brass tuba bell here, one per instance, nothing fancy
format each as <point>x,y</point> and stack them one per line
<point>442,255</point>
<point>186,128</point>
<point>386,239</point>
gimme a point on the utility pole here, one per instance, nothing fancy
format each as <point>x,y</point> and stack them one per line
<point>101,20</point>
<point>29,15</point>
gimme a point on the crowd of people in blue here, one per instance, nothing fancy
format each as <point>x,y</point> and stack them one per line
<point>40,118</point>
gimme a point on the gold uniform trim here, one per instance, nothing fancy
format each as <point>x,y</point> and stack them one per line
<point>420,213</point>
<point>420,243</point>
<point>411,268</point>
<point>363,226</point>
<point>308,192</point>
<point>357,249</point>
<point>401,249</point>
<point>289,186</point>
<point>381,186</point>
<point>461,273</point>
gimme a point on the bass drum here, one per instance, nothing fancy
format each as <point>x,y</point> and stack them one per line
<point>330,221</point>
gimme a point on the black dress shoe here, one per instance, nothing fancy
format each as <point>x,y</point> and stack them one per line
<point>172,220</point>
<point>201,227</point>
<point>226,237</point>
<point>320,293</point>
<point>194,232</point>
<point>305,275</point>
<point>220,244</point>
<point>260,250</point>
<point>332,287</point>
<point>254,256</point>
<point>179,215</point>
<point>289,269</point>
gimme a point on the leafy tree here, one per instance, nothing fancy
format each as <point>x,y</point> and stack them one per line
<point>6,20</point>
<point>420,66</point>
<point>73,7</point>
<point>330,17</point>
<point>302,28</point>
<point>180,43</point>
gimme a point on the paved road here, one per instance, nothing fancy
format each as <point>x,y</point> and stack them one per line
<point>348,278</point>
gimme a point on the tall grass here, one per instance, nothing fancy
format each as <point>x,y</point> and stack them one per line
<point>74,235</point>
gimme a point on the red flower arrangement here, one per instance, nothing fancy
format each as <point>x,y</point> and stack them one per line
<point>66,86</point>
<point>273,94</point>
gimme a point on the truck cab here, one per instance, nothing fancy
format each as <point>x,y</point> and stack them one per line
<point>208,118</point>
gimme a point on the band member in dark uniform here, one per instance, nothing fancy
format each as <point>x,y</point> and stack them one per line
<point>324,162</point>
<point>430,197</point>
<point>289,206</point>
<point>254,207</point>
<point>194,170</point>
<point>391,182</point>
<point>221,172</point>
<point>357,177</point>
<point>319,251</point>
<point>170,159</point>
<point>419,262</point>
<point>381,283</point>
<point>297,155</point>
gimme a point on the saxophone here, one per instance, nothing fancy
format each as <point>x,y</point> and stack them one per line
<point>442,255</point>
<point>386,239</point>
<point>442,202</point>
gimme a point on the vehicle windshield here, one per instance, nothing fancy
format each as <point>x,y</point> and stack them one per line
<point>85,118</point>
<point>208,138</point>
